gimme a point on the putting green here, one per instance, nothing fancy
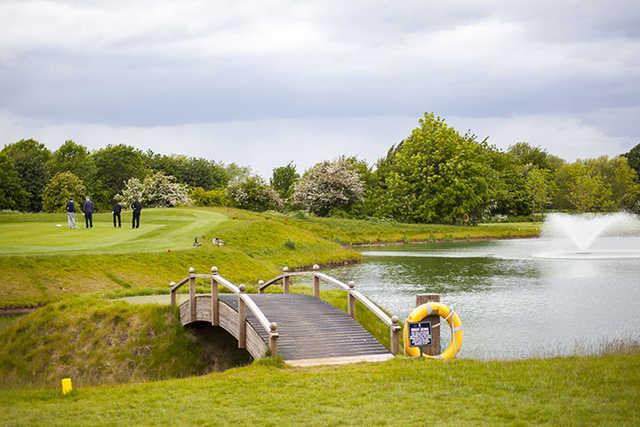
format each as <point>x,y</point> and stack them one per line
<point>160,230</point>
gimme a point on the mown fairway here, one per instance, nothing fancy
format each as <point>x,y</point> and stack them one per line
<point>48,234</point>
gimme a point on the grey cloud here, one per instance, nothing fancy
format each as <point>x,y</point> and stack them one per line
<point>171,64</point>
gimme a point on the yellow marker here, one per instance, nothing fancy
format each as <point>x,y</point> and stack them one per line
<point>66,385</point>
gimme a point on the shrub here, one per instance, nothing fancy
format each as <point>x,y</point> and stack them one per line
<point>62,187</point>
<point>254,194</point>
<point>202,197</point>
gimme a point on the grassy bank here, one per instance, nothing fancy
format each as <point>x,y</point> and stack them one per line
<point>593,390</point>
<point>354,232</point>
<point>97,341</point>
<point>40,262</point>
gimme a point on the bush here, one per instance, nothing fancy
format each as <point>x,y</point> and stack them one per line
<point>202,197</point>
<point>254,194</point>
<point>329,186</point>
<point>62,187</point>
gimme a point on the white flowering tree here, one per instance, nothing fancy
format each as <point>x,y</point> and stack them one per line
<point>329,185</point>
<point>157,190</point>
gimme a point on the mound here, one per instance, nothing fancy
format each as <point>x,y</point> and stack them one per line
<point>93,340</point>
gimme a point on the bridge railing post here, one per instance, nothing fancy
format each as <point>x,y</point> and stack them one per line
<point>172,293</point>
<point>316,282</point>
<point>395,335</point>
<point>285,279</point>
<point>351,301</point>
<point>273,339</point>
<point>192,293</point>
<point>242,319</point>
<point>260,283</point>
<point>215,304</point>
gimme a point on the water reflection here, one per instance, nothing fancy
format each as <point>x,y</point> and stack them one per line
<point>512,304</point>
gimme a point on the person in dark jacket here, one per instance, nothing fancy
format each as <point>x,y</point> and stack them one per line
<point>136,207</point>
<point>88,213</point>
<point>117,208</point>
<point>71,214</point>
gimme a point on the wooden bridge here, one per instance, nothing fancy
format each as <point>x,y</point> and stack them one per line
<point>303,329</point>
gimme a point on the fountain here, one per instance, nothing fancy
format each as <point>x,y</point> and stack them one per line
<point>591,236</point>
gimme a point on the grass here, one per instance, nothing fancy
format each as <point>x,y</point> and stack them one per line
<point>94,341</point>
<point>255,248</point>
<point>97,340</point>
<point>47,234</point>
<point>40,262</point>
<point>354,232</point>
<point>575,391</point>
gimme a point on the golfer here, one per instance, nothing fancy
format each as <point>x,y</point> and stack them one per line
<point>117,208</point>
<point>136,207</point>
<point>71,214</point>
<point>88,213</point>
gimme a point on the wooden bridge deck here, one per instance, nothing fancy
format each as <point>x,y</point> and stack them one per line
<point>311,331</point>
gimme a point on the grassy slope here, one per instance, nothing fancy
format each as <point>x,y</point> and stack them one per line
<point>55,262</point>
<point>590,391</point>
<point>255,248</point>
<point>96,341</point>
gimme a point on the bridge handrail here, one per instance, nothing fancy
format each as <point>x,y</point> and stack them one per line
<point>243,299</point>
<point>224,282</point>
<point>392,322</point>
<point>262,318</point>
<point>175,286</point>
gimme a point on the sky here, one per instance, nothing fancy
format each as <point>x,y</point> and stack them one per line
<point>268,82</point>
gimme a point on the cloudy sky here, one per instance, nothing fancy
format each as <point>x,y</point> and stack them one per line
<point>264,83</point>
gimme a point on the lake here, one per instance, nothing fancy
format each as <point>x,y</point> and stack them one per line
<point>514,298</point>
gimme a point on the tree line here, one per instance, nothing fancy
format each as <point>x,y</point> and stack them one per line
<point>436,174</point>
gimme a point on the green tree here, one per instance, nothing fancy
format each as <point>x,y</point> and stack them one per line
<point>62,187</point>
<point>599,184</point>
<point>12,193</point>
<point>254,194</point>
<point>237,173</point>
<point>539,186</point>
<point>528,155</point>
<point>74,158</point>
<point>195,172</point>
<point>327,186</point>
<point>435,175</point>
<point>633,157</point>
<point>510,195</point>
<point>30,158</point>
<point>284,179</point>
<point>583,189</point>
<point>619,177</point>
<point>116,164</point>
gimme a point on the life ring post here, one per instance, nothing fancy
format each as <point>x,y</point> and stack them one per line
<point>434,348</point>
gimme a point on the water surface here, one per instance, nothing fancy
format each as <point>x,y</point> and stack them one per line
<point>516,299</point>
